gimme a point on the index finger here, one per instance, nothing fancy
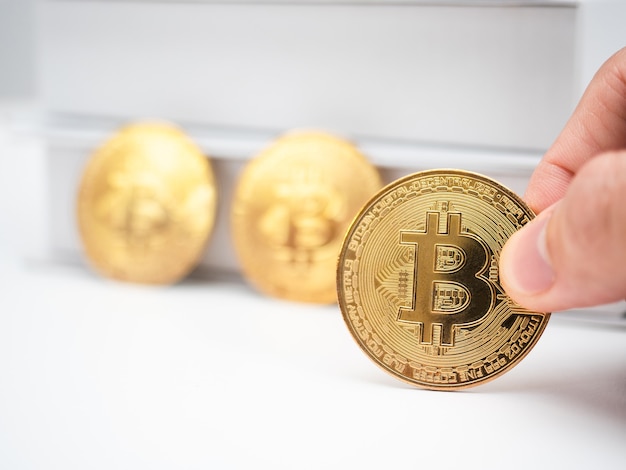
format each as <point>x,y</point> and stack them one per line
<point>597,125</point>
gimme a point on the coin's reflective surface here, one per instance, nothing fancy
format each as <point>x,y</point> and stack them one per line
<point>146,205</point>
<point>292,206</point>
<point>418,280</point>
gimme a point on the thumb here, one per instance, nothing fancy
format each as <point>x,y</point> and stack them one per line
<point>574,253</point>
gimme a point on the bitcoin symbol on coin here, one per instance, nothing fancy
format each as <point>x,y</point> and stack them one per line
<point>447,267</point>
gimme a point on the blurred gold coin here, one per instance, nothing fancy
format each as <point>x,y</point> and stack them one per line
<point>292,206</point>
<point>146,205</point>
<point>419,286</point>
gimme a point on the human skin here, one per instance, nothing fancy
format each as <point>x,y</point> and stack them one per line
<point>573,254</point>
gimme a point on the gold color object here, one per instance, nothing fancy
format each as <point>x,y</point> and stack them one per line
<point>146,205</point>
<point>291,209</point>
<point>418,280</point>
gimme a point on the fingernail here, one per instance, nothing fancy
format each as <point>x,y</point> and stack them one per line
<point>525,264</point>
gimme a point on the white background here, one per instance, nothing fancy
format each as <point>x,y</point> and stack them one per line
<point>208,374</point>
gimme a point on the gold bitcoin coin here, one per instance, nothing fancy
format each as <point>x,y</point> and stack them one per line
<point>146,205</point>
<point>291,209</point>
<point>419,286</point>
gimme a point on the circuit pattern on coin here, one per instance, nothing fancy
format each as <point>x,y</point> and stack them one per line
<point>418,281</point>
<point>292,206</point>
<point>146,205</point>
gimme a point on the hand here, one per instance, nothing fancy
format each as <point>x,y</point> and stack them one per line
<point>574,253</point>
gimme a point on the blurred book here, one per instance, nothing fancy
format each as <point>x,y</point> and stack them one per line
<point>480,85</point>
<point>474,73</point>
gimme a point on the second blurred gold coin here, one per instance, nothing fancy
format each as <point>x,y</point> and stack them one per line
<point>146,205</point>
<point>292,206</point>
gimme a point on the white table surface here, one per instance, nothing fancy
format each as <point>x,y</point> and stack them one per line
<point>208,374</point>
<point>96,374</point>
